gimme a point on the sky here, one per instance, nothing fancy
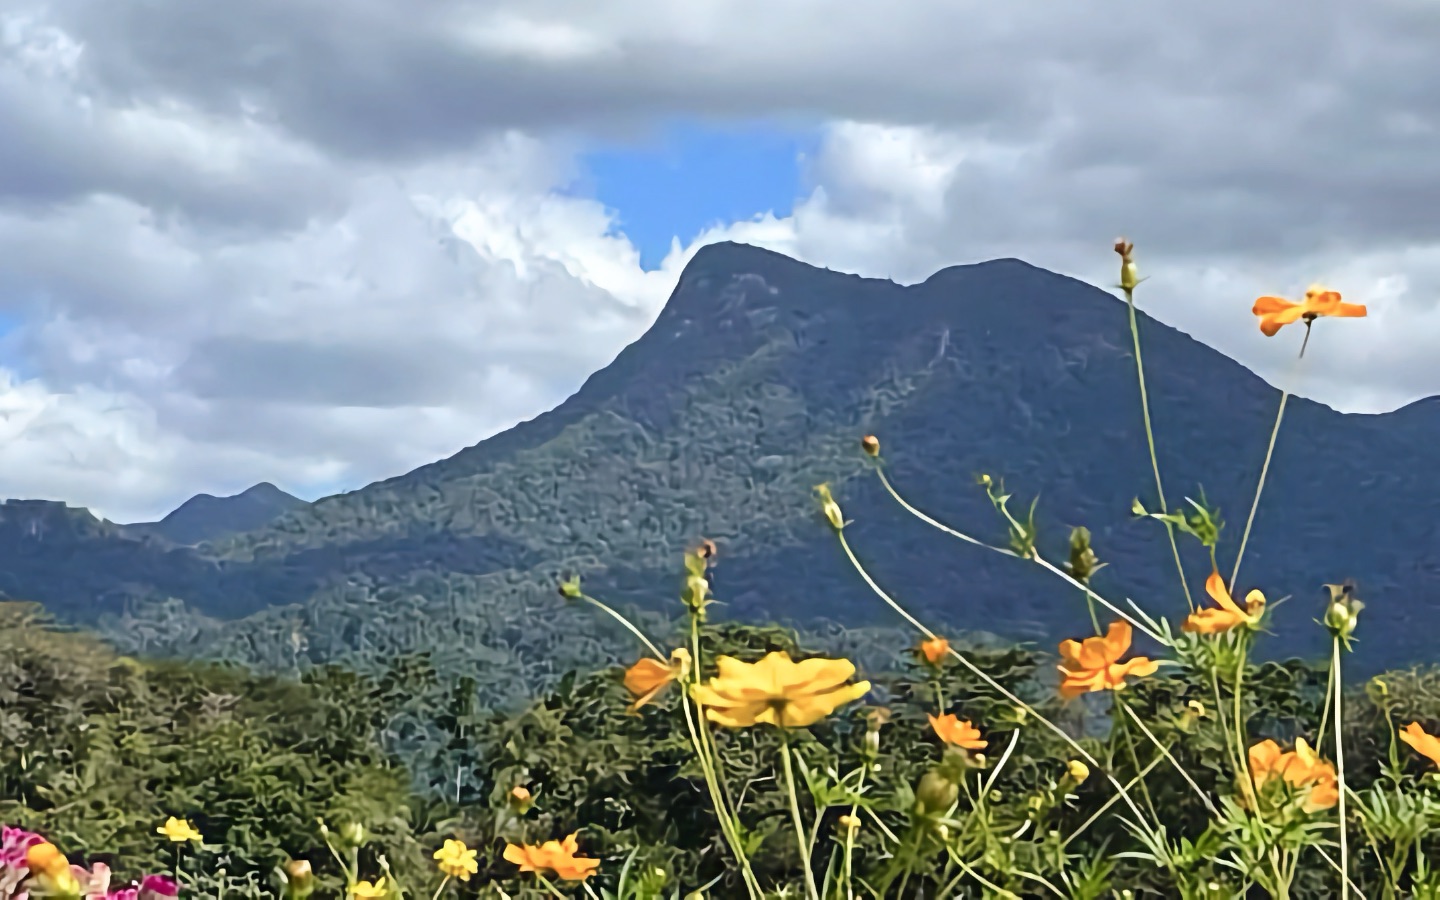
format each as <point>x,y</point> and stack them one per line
<point>320,244</point>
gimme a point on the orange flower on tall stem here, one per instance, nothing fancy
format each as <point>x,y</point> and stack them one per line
<point>1427,745</point>
<point>1277,312</point>
<point>934,650</point>
<point>1094,665</point>
<point>648,677</point>
<point>957,732</point>
<point>1228,615</point>
<point>553,856</point>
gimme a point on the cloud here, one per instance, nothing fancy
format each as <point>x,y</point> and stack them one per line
<point>315,246</point>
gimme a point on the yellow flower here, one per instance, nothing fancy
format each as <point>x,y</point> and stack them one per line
<point>648,677</point>
<point>1277,312</point>
<point>178,830</point>
<point>1229,614</point>
<point>1095,664</point>
<point>364,890</point>
<point>553,856</point>
<point>1077,771</point>
<point>46,859</point>
<point>934,650</point>
<point>457,860</point>
<point>778,691</point>
<point>957,732</point>
<point>1427,745</point>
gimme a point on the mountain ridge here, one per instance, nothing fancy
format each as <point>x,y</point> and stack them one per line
<point>754,384</point>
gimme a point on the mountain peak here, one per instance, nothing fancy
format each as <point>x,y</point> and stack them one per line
<point>205,517</point>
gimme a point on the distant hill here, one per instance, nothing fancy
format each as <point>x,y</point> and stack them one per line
<point>754,384</point>
<point>205,517</point>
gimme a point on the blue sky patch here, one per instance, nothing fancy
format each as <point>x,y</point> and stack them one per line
<point>689,175</point>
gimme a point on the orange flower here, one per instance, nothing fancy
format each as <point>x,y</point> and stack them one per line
<point>1095,664</point>
<point>648,677</point>
<point>934,650</point>
<point>1277,312</point>
<point>1229,615</point>
<point>1301,768</point>
<point>553,856</point>
<point>1427,745</point>
<point>957,732</point>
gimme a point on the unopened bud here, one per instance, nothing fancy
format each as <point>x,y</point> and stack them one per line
<point>570,588</point>
<point>830,507</point>
<point>1343,613</point>
<point>1129,277</point>
<point>520,799</point>
<point>849,823</point>
<point>353,834</point>
<point>696,589</point>
<point>299,879</point>
<point>1083,561</point>
<point>870,444</point>
<point>936,793</point>
<point>1077,771</point>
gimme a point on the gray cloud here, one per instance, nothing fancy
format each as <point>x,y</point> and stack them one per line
<point>228,232</point>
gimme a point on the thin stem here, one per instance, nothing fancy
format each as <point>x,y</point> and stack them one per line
<point>549,887</point>
<point>1340,773</point>
<point>1265,468</point>
<point>985,677</point>
<point>440,889</point>
<point>628,624</point>
<point>1037,559</point>
<point>1260,487</point>
<point>1150,440</point>
<point>789,769</point>
<point>1173,761</point>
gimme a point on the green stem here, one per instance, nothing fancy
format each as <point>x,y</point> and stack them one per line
<point>440,889</point>
<point>549,887</point>
<point>1150,441</point>
<point>1036,558</point>
<point>1169,756</point>
<point>605,608</point>
<point>1259,488</point>
<point>1340,775</point>
<point>994,685</point>
<point>789,768</point>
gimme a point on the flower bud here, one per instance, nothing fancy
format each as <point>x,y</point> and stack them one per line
<point>299,879</point>
<point>936,793</point>
<point>848,823</point>
<point>1343,613</point>
<point>1077,771</point>
<point>1083,561</point>
<point>696,589</point>
<point>1129,277</point>
<point>870,444</point>
<point>353,834</point>
<point>830,507</point>
<point>570,588</point>
<point>520,799</point>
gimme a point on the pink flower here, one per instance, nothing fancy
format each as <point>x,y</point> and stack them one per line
<point>13,844</point>
<point>157,887</point>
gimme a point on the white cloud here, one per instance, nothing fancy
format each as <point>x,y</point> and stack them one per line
<point>281,250</point>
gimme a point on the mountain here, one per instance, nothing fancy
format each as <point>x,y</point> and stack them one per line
<point>753,385</point>
<point>205,517</point>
